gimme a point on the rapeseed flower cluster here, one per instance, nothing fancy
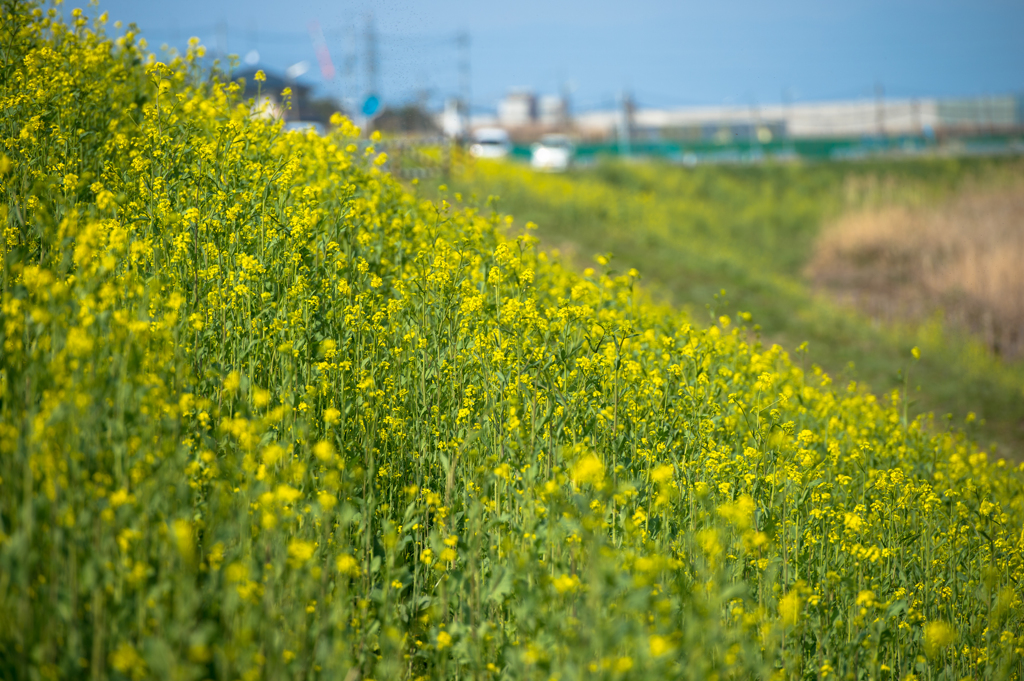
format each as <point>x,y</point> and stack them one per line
<point>265,413</point>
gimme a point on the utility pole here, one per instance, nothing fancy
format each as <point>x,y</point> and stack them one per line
<point>755,129</point>
<point>465,81</point>
<point>567,105</point>
<point>625,124</point>
<point>786,101</point>
<point>222,40</point>
<point>371,57</point>
<point>372,85</point>
<point>880,109</point>
<point>252,56</point>
<point>349,69</point>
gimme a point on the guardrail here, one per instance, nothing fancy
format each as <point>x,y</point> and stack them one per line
<point>417,158</point>
<point>429,157</point>
<point>818,149</point>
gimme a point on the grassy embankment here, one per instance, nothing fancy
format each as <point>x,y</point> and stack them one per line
<point>264,414</point>
<point>757,232</point>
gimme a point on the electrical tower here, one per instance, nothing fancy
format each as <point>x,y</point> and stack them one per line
<point>372,59</point>
<point>349,96</point>
<point>222,42</point>
<point>465,84</point>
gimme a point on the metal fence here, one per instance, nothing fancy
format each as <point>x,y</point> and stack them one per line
<point>815,149</point>
<point>432,157</point>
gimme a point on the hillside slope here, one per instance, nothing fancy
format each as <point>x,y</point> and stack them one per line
<point>759,232</point>
<point>265,414</point>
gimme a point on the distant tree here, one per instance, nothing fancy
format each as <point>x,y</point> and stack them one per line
<point>409,118</point>
<point>320,109</point>
<point>305,106</point>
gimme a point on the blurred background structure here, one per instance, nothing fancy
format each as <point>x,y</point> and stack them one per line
<point>714,81</point>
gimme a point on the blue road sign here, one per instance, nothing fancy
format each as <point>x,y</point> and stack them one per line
<point>371,105</point>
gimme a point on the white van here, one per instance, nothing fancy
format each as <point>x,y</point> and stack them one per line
<point>553,153</point>
<point>490,143</point>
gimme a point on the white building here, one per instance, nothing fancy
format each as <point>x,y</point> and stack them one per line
<point>553,111</point>
<point>518,109</point>
<point>817,119</point>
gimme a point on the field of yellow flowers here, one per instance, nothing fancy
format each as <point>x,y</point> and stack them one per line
<point>765,233</point>
<point>264,414</point>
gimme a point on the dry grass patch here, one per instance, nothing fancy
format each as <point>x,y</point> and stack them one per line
<point>964,258</point>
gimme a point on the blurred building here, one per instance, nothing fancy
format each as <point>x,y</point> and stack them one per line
<point>841,119</point>
<point>518,109</point>
<point>553,111</point>
<point>526,117</point>
<point>981,114</point>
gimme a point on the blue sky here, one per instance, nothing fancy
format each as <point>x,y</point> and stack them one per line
<point>665,53</point>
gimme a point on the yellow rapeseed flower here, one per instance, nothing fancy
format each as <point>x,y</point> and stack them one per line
<point>588,469</point>
<point>662,473</point>
<point>938,635</point>
<point>299,552</point>
<point>347,565</point>
<point>659,645</point>
<point>566,583</point>
<point>182,533</point>
<point>324,451</point>
<point>127,660</point>
<point>740,513</point>
<point>789,608</point>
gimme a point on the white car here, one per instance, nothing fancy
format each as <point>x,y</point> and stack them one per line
<point>490,143</point>
<point>553,153</point>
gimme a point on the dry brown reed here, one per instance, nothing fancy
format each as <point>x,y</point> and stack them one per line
<point>963,259</point>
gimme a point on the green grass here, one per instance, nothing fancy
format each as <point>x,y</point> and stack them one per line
<point>750,231</point>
